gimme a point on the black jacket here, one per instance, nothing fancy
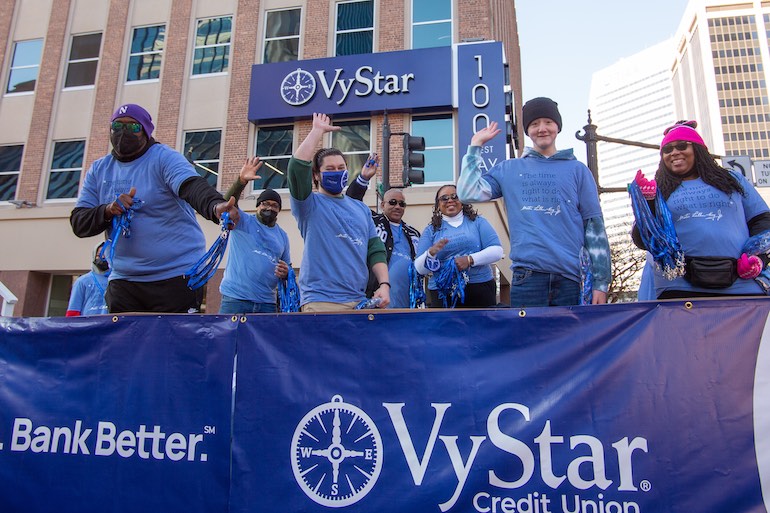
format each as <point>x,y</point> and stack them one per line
<point>382,224</point>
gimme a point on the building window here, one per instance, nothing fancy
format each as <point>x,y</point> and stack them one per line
<point>431,23</point>
<point>202,149</point>
<point>282,29</point>
<point>25,66</point>
<point>439,150</point>
<point>274,147</point>
<point>10,165</point>
<point>355,27</point>
<point>84,58</point>
<point>354,141</point>
<point>212,45</point>
<point>66,167</point>
<point>146,53</point>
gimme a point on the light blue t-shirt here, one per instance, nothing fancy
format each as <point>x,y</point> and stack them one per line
<point>87,295</point>
<point>547,201</point>
<point>336,231</point>
<point>469,237</point>
<point>398,268</point>
<point>254,250</point>
<point>166,240</point>
<point>708,222</point>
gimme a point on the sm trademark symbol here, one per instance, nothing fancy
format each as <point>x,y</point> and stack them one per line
<point>210,430</point>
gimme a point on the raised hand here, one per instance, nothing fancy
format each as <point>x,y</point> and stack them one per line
<point>371,166</point>
<point>648,187</point>
<point>323,123</point>
<point>249,170</point>
<point>485,135</point>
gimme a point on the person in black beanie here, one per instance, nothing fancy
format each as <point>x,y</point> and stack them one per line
<point>259,253</point>
<point>556,223</point>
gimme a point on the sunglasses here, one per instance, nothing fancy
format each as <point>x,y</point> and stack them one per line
<point>447,197</point>
<point>400,203</point>
<point>679,146</point>
<point>132,127</point>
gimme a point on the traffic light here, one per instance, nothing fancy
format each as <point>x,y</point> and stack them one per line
<point>413,160</point>
<point>511,134</point>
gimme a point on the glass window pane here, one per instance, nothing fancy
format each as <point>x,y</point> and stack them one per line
<point>63,184</point>
<point>429,10</point>
<point>213,59</point>
<point>8,185</point>
<point>86,46</point>
<point>282,50</point>
<point>214,31</point>
<point>27,53</point>
<point>429,36</point>
<point>354,43</point>
<point>283,23</point>
<point>148,39</point>
<point>202,145</point>
<point>61,286</point>
<point>439,152</point>
<point>437,130</point>
<point>68,155</point>
<point>202,148</point>
<point>439,165</point>
<point>274,142</point>
<point>353,137</point>
<point>81,74</point>
<point>355,15</point>
<point>22,80</point>
<point>10,158</point>
<point>144,67</point>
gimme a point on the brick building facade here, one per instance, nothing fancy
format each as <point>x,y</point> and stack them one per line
<point>68,64</point>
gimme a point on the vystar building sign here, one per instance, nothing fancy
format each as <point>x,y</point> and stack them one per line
<point>466,77</point>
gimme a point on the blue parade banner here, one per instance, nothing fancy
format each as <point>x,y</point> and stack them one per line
<point>622,408</point>
<point>642,407</point>
<point>122,416</point>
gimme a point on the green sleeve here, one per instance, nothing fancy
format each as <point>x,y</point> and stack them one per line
<point>376,252</point>
<point>235,190</point>
<point>300,178</point>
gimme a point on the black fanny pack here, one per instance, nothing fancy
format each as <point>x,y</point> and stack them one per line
<point>711,272</point>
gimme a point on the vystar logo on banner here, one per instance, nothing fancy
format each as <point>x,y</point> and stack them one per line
<point>337,456</point>
<point>105,439</point>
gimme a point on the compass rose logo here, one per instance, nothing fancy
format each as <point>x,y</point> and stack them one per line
<point>336,454</point>
<point>298,87</point>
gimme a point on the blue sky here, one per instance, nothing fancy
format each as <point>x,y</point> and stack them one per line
<point>563,42</point>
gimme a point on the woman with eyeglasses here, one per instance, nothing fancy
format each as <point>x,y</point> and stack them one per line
<point>713,211</point>
<point>341,243</point>
<point>457,233</point>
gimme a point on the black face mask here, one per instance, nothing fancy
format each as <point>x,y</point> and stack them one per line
<point>268,217</point>
<point>101,264</point>
<point>126,143</point>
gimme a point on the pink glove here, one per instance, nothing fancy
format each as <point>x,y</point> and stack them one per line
<point>648,187</point>
<point>749,267</point>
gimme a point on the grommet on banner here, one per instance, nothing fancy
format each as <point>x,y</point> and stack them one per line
<point>371,317</point>
<point>115,318</point>
<point>234,318</point>
<point>243,319</point>
<point>688,305</point>
<point>522,313</point>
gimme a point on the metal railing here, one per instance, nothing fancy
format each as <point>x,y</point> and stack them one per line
<point>9,301</point>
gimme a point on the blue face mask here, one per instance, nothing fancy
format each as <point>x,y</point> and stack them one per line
<point>334,181</point>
